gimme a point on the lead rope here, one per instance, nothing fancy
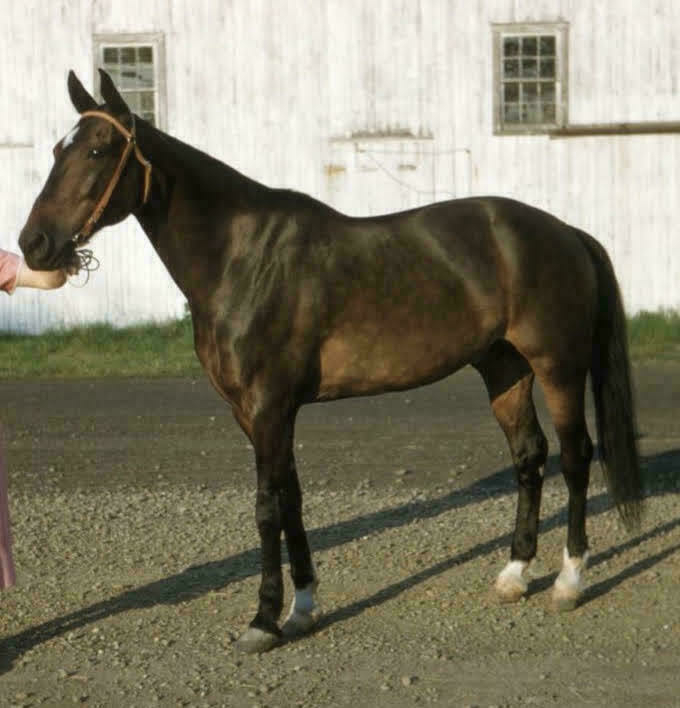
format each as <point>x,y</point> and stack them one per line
<point>87,262</point>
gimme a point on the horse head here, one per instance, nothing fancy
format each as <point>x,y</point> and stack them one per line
<point>92,183</point>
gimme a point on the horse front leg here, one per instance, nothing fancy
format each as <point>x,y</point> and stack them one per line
<point>304,611</point>
<point>278,508</point>
<point>272,438</point>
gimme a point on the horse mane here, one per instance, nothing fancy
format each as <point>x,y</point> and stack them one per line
<point>210,176</point>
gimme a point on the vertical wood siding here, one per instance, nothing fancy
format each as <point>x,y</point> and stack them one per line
<point>371,106</point>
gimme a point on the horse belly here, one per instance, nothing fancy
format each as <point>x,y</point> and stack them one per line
<point>374,359</point>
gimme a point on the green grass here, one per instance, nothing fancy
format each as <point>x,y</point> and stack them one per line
<point>101,350</point>
<point>167,350</point>
<point>655,335</point>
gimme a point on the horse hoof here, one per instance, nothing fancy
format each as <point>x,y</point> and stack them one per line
<point>508,593</point>
<point>298,624</point>
<point>564,599</point>
<point>256,641</point>
<point>510,584</point>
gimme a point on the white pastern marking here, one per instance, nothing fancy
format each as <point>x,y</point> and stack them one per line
<point>513,573</point>
<point>305,600</point>
<point>570,578</point>
<point>304,611</point>
<point>510,583</point>
<point>69,138</point>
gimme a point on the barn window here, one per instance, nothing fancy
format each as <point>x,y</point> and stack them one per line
<point>530,77</point>
<point>135,63</point>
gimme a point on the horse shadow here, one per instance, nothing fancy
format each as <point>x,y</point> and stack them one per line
<point>661,474</point>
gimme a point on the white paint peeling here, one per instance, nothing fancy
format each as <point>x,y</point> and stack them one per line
<point>271,105</point>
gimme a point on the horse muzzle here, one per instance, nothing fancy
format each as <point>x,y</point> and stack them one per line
<point>41,251</point>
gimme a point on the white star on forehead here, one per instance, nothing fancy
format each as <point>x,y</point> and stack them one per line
<point>69,138</point>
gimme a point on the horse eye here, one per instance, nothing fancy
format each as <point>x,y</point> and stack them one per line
<point>95,152</point>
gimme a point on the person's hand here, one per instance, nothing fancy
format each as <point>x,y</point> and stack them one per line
<point>43,279</point>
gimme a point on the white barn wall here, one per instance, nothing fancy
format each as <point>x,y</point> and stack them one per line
<point>277,88</point>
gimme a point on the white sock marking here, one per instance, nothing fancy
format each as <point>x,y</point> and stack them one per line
<point>513,571</point>
<point>570,579</point>
<point>304,612</point>
<point>510,583</point>
<point>304,600</point>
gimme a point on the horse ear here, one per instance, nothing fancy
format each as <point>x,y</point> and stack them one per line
<point>110,94</point>
<point>80,98</point>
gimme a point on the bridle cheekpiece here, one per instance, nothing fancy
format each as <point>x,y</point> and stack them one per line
<point>130,147</point>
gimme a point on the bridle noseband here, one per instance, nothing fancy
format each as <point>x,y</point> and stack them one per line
<point>131,146</point>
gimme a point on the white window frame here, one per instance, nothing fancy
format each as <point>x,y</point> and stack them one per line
<point>154,39</point>
<point>559,30</point>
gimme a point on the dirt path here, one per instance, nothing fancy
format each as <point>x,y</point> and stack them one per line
<point>137,556</point>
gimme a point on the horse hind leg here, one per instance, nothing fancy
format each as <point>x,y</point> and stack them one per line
<point>565,398</point>
<point>509,382</point>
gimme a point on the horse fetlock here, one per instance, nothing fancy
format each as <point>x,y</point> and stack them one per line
<point>304,613</point>
<point>510,583</point>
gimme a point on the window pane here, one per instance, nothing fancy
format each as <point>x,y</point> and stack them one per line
<point>510,92</point>
<point>547,68</point>
<point>530,91</point>
<point>510,68</point>
<point>147,101</point>
<point>132,70</point>
<point>511,113</point>
<point>548,91</point>
<point>549,112</point>
<point>547,46</point>
<point>127,55</point>
<point>529,46</point>
<point>145,54</point>
<point>527,96</point>
<point>145,75</point>
<point>114,73</point>
<point>128,79</point>
<point>110,55</point>
<point>532,113</point>
<point>529,68</point>
<point>132,99</point>
<point>511,46</point>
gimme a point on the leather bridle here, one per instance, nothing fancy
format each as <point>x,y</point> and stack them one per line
<point>130,147</point>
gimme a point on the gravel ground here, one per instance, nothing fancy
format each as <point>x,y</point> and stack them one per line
<point>137,556</point>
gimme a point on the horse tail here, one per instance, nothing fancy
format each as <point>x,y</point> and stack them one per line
<point>612,390</point>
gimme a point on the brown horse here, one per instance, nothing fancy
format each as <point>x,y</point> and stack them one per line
<point>293,302</point>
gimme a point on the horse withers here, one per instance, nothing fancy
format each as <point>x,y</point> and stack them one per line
<point>293,302</point>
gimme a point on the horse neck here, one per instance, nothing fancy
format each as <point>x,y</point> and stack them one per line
<point>193,199</point>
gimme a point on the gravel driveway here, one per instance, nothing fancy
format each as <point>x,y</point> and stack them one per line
<point>137,556</point>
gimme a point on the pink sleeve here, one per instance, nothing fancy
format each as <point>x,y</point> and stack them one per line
<point>9,267</point>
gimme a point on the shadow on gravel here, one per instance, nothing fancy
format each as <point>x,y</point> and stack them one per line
<point>662,474</point>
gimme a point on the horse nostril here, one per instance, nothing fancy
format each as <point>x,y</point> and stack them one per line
<point>38,248</point>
